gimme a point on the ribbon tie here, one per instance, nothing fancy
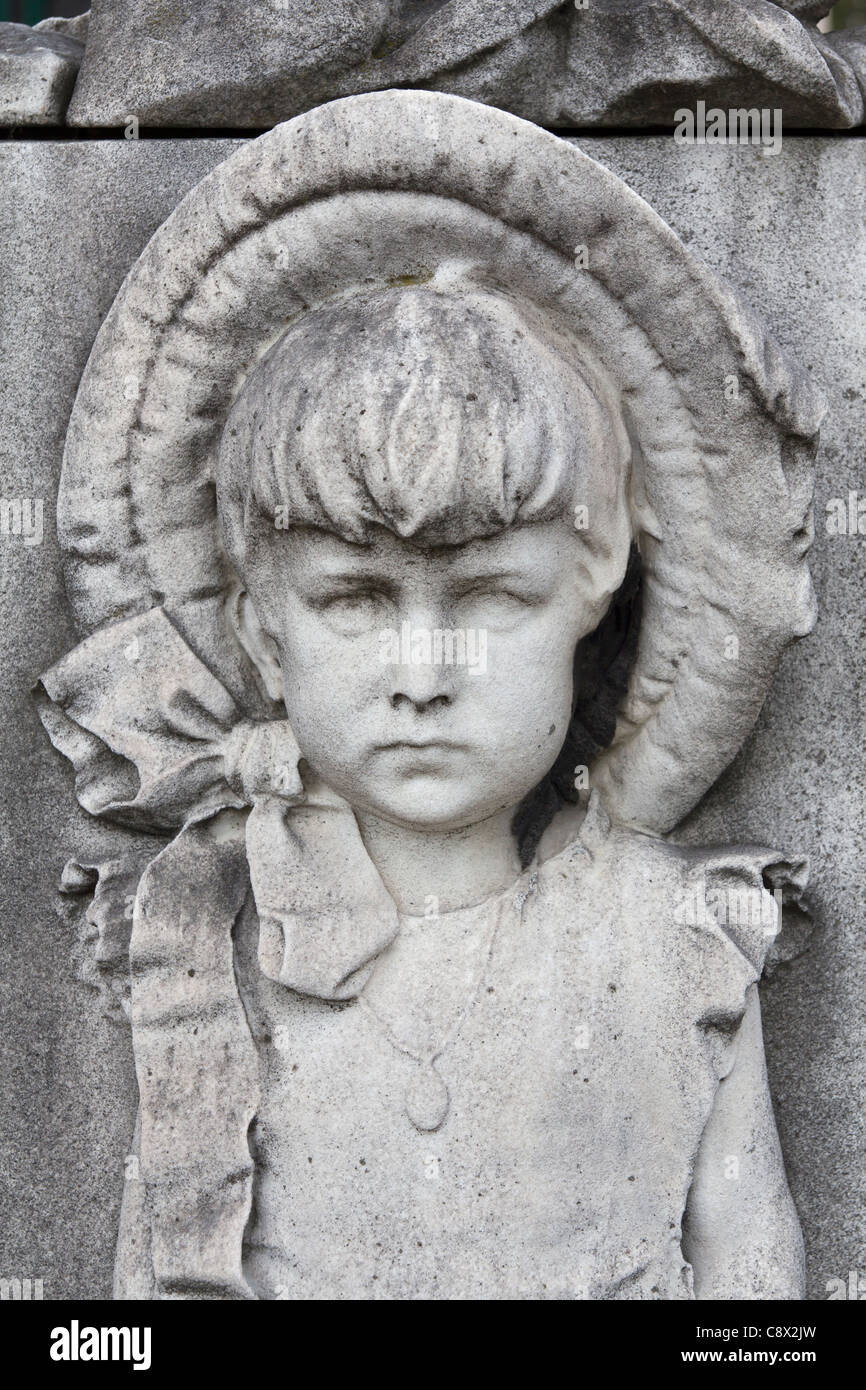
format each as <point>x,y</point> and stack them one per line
<point>158,743</point>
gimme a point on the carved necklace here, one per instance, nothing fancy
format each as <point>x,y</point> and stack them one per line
<point>427,1099</point>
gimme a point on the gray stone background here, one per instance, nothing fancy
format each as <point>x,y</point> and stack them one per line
<point>788,231</point>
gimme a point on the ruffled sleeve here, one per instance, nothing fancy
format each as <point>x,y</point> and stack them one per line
<point>754,894</point>
<point>744,907</point>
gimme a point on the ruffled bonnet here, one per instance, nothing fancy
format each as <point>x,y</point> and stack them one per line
<point>157,708</point>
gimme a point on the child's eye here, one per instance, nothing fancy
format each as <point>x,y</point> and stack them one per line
<point>508,597</point>
<point>357,601</point>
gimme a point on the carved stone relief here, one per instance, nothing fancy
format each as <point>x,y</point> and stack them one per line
<point>409,517</point>
<point>608,62</point>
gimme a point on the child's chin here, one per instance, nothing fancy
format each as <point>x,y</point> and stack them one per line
<point>423,802</point>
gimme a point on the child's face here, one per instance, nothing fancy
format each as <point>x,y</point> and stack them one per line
<point>432,744</point>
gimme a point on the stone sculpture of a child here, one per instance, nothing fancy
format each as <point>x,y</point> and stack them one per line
<point>413,1015</point>
<point>478,1078</point>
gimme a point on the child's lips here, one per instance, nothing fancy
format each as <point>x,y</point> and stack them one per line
<point>428,755</point>
<point>416,745</point>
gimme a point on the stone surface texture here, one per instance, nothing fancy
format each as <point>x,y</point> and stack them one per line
<point>614,63</point>
<point>38,68</point>
<point>485,427</point>
<point>74,218</point>
<point>751,217</point>
<point>73,26</point>
<point>795,786</point>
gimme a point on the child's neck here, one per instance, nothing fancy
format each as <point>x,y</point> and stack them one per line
<point>429,871</point>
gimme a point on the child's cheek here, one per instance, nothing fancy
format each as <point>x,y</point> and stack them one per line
<point>537,657</point>
<point>327,675</point>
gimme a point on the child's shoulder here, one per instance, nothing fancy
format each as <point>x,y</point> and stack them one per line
<point>716,911</point>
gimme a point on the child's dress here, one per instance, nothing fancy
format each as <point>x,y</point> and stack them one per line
<point>510,1108</point>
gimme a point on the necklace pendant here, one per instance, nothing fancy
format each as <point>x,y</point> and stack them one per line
<point>427,1099</point>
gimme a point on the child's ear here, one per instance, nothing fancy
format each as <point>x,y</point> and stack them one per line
<point>259,646</point>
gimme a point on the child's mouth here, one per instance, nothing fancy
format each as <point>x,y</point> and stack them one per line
<point>428,755</point>
<point>421,743</point>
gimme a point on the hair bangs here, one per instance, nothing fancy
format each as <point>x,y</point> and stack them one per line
<point>440,416</point>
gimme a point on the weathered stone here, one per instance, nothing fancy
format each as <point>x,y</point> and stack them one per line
<point>766,223</point>
<point>73,26</point>
<point>616,62</point>
<point>38,68</point>
<point>750,215</point>
<point>335,400</point>
<point>69,1084</point>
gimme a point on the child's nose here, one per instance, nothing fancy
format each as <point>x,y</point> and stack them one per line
<point>424,686</point>
<point>422,677</point>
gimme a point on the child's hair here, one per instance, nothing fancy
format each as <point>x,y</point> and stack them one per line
<point>444,416</point>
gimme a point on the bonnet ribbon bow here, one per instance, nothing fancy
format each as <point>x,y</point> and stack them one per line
<point>158,743</point>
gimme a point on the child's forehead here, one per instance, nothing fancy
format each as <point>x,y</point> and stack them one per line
<point>521,546</point>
